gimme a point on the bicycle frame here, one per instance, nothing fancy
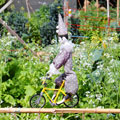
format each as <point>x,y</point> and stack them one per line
<point>44,90</point>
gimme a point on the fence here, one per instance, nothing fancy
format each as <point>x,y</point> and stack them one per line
<point>58,110</point>
<point>14,111</point>
<point>90,18</point>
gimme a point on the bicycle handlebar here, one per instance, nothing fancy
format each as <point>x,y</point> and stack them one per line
<point>48,78</point>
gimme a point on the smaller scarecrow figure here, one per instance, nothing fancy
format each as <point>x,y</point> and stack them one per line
<point>64,58</point>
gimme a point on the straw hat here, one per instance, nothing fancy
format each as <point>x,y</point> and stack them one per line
<point>62,29</point>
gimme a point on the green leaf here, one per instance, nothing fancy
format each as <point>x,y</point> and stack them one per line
<point>9,99</point>
<point>2,2</point>
<point>97,54</point>
<point>29,90</point>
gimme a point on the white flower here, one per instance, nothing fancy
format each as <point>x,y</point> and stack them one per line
<point>91,102</point>
<point>82,43</point>
<point>101,88</point>
<point>98,96</point>
<point>110,38</point>
<point>47,116</point>
<point>107,55</point>
<point>112,60</point>
<point>109,73</point>
<point>1,102</point>
<point>76,116</point>
<point>108,69</point>
<point>16,53</point>
<point>94,105</point>
<point>87,92</point>
<point>100,67</point>
<point>8,43</point>
<point>100,107</point>
<point>91,96</point>
<point>91,54</point>
<point>111,80</point>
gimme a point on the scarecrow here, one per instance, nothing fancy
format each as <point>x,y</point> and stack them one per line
<point>64,58</point>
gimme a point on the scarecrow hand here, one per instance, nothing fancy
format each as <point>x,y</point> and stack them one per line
<point>53,70</point>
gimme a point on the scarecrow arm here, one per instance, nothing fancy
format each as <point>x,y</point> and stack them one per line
<point>61,59</point>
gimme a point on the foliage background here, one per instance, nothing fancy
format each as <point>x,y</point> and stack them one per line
<point>96,61</point>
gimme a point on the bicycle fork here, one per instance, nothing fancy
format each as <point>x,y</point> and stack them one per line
<point>38,100</point>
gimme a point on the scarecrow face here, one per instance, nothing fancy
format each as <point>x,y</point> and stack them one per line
<point>62,40</point>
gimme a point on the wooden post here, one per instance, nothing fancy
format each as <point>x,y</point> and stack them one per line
<point>85,3</point>
<point>14,116</point>
<point>108,12</point>
<point>27,5</point>
<point>66,7</point>
<point>97,7</point>
<point>108,15</point>
<point>0,87</point>
<point>79,3</point>
<point>30,6</point>
<point>118,12</point>
<point>38,118</point>
<point>83,116</point>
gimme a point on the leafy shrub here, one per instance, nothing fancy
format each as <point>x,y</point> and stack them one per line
<point>99,85</point>
<point>3,30</point>
<point>97,70</point>
<point>17,21</point>
<point>21,77</point>
<point>85,23</point>
<point>35,22</point>
<point>48,30</point>
<point>21,81</point>
<point>74,30</point>
<point>20,74</point>
<point>2,2</point>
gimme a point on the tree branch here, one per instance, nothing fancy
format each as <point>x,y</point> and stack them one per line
<point>28,8</point>
<point>15,34</point>
<point>6,5</point>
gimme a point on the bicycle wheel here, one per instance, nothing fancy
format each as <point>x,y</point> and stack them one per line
<point>72,101</point>
<point>37,101</point>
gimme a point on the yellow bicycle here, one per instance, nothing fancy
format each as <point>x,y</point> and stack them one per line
<point>39,101</point>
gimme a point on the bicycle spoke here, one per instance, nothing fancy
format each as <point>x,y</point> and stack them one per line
<point>71,102</point>
<point>37,101</point>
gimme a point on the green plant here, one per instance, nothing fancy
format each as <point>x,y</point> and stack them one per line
<point>2,2</point>
<point>85,23</point>
<point>98,76</point>
<point>74,30</point>
<point>3,30</point>
<point>21,77</point>
<point>97,70</point>
<point>35,22</point>
<point>50,26</point>
<point>16,70</point>
<point>17,21</point>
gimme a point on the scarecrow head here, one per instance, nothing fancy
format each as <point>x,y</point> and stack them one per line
<point>62,30</point>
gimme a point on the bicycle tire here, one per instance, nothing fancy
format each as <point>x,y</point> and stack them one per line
<point>33,101</point>
<point>72,101</point>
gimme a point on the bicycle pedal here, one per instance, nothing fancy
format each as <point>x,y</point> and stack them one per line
<point>53,104</point>
<point>68,100</point>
